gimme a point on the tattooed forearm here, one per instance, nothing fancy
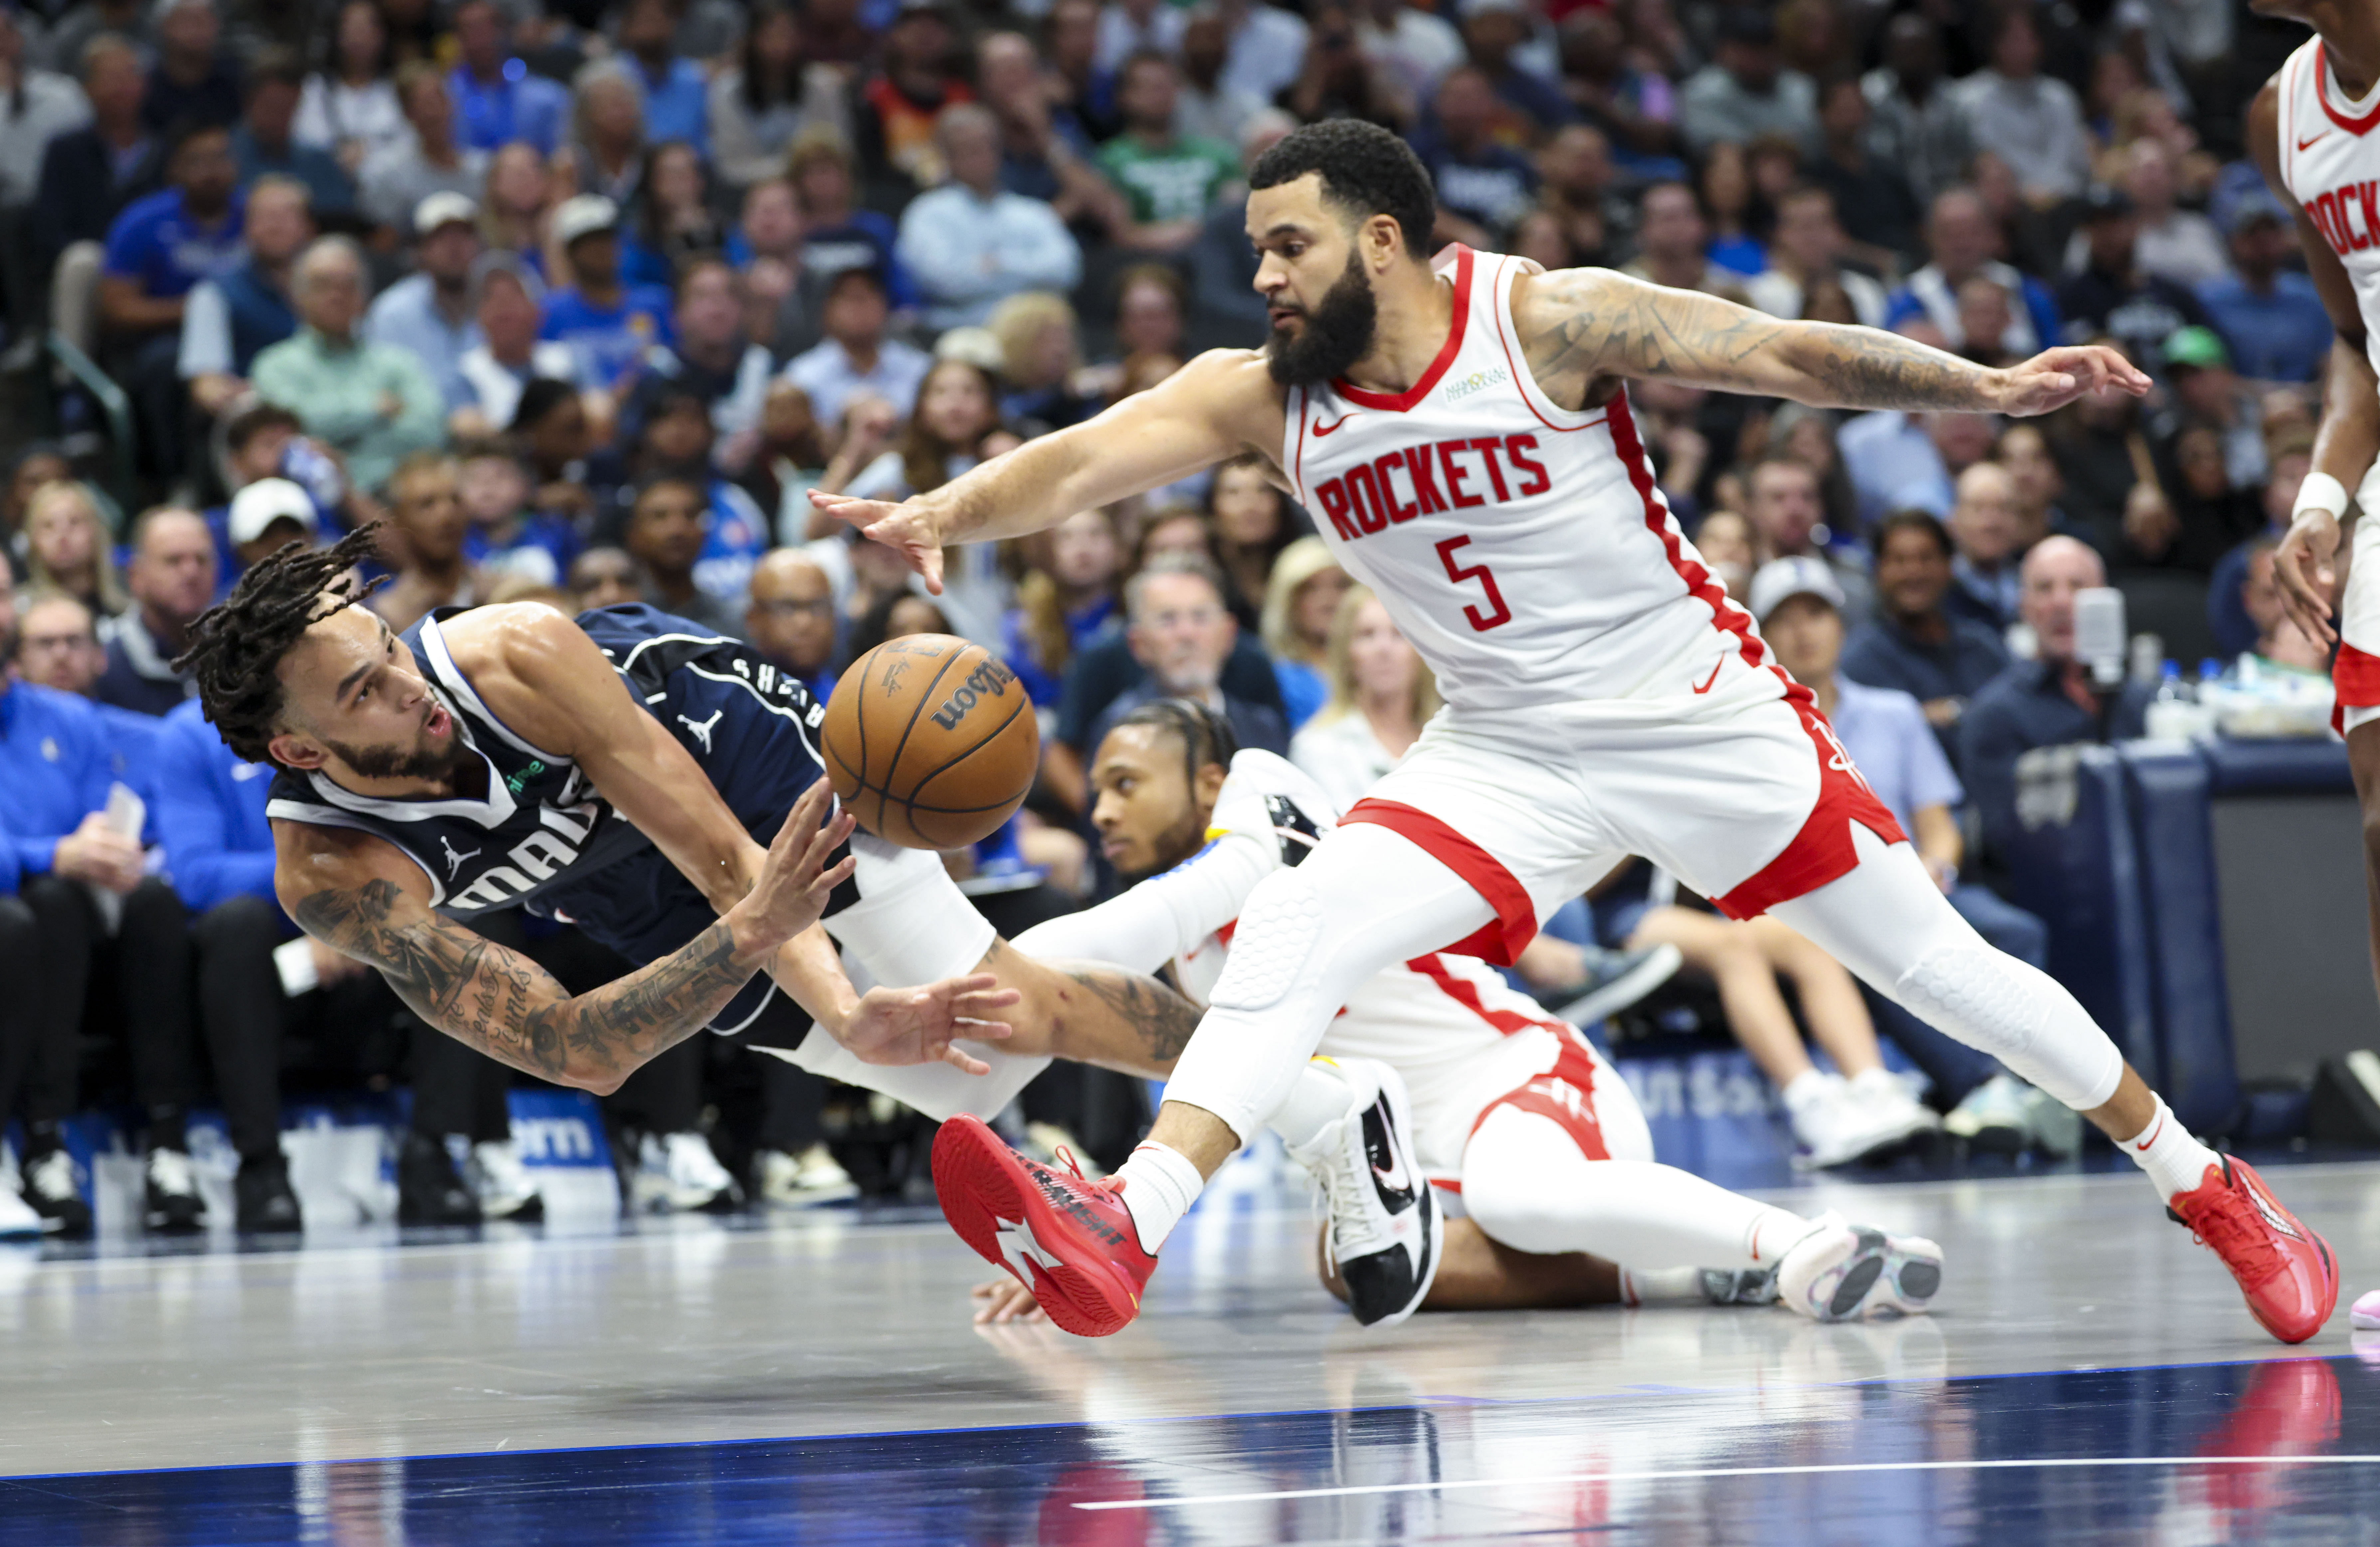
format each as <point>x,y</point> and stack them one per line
<point>1583,328</point>
<point>511,1008</point>
<point>1160,1019</point>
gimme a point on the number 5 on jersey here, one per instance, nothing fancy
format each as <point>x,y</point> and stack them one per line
<point>1480,621</point>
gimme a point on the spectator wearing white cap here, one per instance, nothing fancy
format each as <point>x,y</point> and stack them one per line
<point>231,319</point>
<point>428,313</point>
<point>269,516</point>
<point>396,178</point>
<point>608,322</point>
<point>1885,732</point>
<point>509,307</point>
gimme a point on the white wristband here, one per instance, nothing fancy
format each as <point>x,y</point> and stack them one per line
<point>2321,493</point>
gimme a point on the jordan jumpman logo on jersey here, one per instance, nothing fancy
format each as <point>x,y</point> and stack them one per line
<point>701,731</point>
<point>454,860</point>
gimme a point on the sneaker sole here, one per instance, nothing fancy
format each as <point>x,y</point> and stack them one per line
<point>812,1198</point>
<point>980,1181</point>
<point>1433,1219</point>
<point>1626,989</point>
<point>1872,1273</point>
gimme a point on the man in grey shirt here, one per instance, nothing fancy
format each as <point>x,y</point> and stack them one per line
<point>1746,92</point>
<point>2028,120</point>
<point>428,312</point>
<point>395,180</point>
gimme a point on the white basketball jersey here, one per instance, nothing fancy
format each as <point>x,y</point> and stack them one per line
<point>1522,547</point>
<point>2330,163</point>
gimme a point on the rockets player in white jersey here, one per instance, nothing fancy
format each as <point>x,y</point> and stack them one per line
<point>1509,1111</point>
<point>2310,130</point>
<point>1465,442</point>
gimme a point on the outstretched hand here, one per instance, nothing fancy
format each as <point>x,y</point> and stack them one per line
<point>798,877</point>
<point>2306,565</point>
<point>2054,378</point>
<point>922,1025</point>
<point>902,527</point>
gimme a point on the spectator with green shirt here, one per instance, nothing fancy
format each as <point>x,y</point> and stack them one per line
<point>371,403</point>
<point>1169,179</point>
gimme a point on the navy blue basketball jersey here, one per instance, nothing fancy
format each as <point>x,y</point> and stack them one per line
<point>542,838</point>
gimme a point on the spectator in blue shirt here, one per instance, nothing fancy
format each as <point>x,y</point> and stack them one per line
<point>1885,731</point>
<point>2267,313</point>
<point>2049,701</point>
<point>497,99</point>
<point>172,578</point>
<point>219,852</point>
<point>262,142</point>
<point>677,97</point>
<point>55,775</point>
<point>1483,188</point>
<point>609,324</point>
<point>1916,645</point>
<point>59,649</point>
<point>791,619</point>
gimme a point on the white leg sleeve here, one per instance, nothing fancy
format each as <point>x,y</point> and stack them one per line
<point>913,925</point>
<point>1529,1187</point>
<point>1308,937</point>
<point>1890,923</point>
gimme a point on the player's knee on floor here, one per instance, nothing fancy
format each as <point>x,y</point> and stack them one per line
<point>1521,1173</point>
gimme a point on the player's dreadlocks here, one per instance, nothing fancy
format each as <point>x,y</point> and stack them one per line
<point>237,648</point>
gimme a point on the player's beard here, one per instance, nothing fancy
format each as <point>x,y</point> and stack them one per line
<point>400,761</point>
<point>1337,332</point>
<point>1170,847</point>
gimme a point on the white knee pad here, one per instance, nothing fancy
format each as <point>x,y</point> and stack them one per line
<point>1279,930</point>
<point>1992,1001</point>
<point>912,924</point>
<point>938,1091</point>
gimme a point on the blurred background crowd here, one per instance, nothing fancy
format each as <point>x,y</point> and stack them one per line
<point>584,296</point>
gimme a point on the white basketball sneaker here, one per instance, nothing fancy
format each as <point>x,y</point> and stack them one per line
<point>498,1178</point>
<point>18,1219</point>
<point>676,1173</point>
<point>1386,1231</point>
<point>804,1180</point>
<point>1841,1272</point>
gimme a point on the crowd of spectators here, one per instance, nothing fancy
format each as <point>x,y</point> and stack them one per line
<point>583,298</point>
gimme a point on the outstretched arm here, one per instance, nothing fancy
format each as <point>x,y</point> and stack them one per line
<point>361,897</point>
<point>1220,403</point>
<point>2349,439</point>
<point>1581,327</point>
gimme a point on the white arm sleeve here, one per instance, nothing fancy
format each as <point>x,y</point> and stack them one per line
<point>1164,916</point>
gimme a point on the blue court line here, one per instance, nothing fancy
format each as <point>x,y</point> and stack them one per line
<point>1418,1405</point>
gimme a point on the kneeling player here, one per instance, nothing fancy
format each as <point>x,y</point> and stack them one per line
<point>1509,1110</point>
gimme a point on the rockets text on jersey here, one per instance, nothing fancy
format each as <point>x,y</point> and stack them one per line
<point>2330,163</point>
<point>1522,547</point>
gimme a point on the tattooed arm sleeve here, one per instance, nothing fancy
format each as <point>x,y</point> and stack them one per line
<point>1581,325</point>
<point>509,1006</point>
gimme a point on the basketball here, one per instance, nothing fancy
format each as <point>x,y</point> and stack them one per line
<point>931,742</point>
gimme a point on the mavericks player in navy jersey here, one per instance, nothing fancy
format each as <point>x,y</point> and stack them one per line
<point>630,772</point>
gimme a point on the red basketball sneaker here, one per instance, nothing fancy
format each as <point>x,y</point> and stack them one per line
<point>2286,1271</point>
<point>1068,1240</point>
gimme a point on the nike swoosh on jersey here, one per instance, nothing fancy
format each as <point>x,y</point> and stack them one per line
<point>2303,143</point>
<point>1712,678</point>
<point>1333,428</point>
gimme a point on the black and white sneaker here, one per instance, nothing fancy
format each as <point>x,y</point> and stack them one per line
<point>52,1184</point>
<point>1740,1286</point>
<point>1616,979</point>
<point>1386,1231</point>
<point>170,1204</point>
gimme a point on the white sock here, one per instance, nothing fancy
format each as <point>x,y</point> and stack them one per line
<point>1319,1099</point>
<point>1772,1233</point>
<point>1160,1185</point>
<point>2174,1161</point>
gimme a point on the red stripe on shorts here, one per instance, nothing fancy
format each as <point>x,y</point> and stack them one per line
<point>1498,942</point>
<point>1822,850</point>
<point>1565,1093</point>
<point>2355,684</point>
<point>1468,995</point>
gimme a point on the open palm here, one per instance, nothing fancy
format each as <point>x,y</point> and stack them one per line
<point>922,1025</point>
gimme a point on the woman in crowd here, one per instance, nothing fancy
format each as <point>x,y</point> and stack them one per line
<point>1067,595</point>
<point>1041,358</point>
<point>349,107</point>
<point>674,216</point>
<point>1730,548</point>
<point>607,141</point>
<point>1382,695</point>
<point>514,202</point>
<point>1299,602</point>
<point>769,97</point>
<point>1736,219</point>
<point>1249,519</point>
<point>41,463</point>
<point>66,548</point>
<point>955,425</point>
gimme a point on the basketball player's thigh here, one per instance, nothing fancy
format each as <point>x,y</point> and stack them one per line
<point>1460,800</point>
<point>1713,804</point>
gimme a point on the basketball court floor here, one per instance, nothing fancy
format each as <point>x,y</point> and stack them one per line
<point>2091,1376</point>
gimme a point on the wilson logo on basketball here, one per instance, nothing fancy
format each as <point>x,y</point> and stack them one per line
<point>989,677</point>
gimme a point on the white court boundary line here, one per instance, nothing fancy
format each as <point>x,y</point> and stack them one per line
<point>1195,1501</point>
